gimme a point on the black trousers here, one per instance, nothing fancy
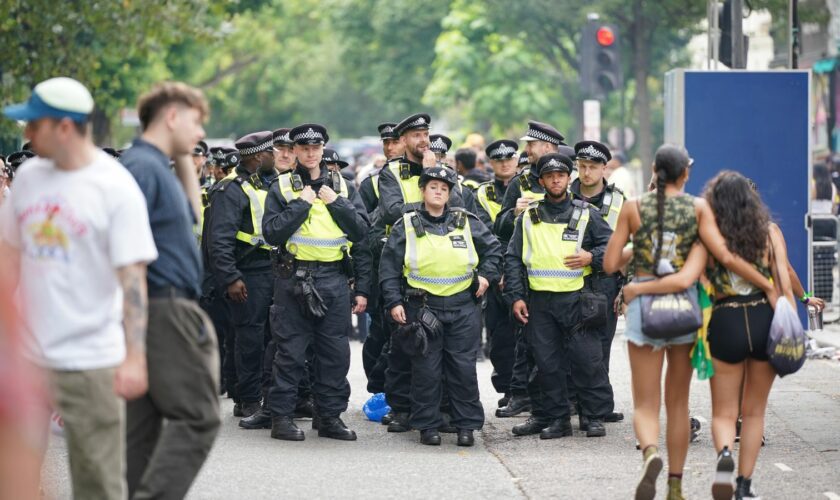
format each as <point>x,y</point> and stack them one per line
<point>294,332</point>
<point>374,355</point>
<point>305,387</point>
<point>218,309</point>
<point>450,362</point>
<point>560,345</point>
<point>397,378</point>
<point>250,320</point>
<point>502,338</point>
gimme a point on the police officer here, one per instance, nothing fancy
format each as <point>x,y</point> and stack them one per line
<point>438,262</point>
<point>284,156</point>
<point>336,164</point>
<point>199,156</point>
<point>591,186</point>
<point>554,244</point>
<point>500,329</point>
<point>314,225</point>
<point>241,260</point>
<point>440,144</point>
<point>525,188</point>
<point>391,148</point>
<point>16,159</point>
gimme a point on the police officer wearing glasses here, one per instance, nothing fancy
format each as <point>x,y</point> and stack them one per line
<point>437,264</point>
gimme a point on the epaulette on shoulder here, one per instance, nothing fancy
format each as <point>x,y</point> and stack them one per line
<point>580,203</point>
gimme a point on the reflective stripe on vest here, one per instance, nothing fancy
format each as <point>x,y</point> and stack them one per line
<point>374,179</point>
<point>440,265</point>
<point>614,201</point>
<point>470,183</point>
<point>491,207</point>
<point>319,238</point>
<point>256,200</point>
<point>410,188</point>
<point>543,249</point>
<point>533,195</point>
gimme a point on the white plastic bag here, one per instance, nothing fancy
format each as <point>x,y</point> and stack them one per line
<point>787,341</point>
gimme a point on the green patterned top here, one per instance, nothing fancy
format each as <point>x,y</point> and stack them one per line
<point>680,231</point>
<point>728,284</point>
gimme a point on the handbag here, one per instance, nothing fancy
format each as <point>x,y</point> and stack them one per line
<point>787,341</point>
<point>671,315</point>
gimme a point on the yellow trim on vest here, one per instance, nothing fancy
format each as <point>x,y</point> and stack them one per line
<point>440,265</point>
<point>543,249</point>
<point>491,207</point>
<point>374,179</point>
<point>319,238</point>
<point>256,201</point>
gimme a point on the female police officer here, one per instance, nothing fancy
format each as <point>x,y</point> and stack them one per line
<point>436,264</point>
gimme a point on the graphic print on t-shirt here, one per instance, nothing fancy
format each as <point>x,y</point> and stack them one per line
<point>48,226</point>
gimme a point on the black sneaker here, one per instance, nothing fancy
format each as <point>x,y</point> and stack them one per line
<point>722,488</point>
<point>531,426</point>
<point>743,488</point>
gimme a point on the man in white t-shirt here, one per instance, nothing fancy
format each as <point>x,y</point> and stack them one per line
<point>77,234</point>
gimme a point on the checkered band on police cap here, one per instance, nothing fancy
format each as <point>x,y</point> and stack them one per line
<point>259,148</point>
<point>502,151</point>
<point>439,146</point>
<point>592,153</point>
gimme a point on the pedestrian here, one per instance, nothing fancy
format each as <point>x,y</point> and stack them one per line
<point>440,261</point>
<point>501,332</point>
<point>555,244</point>
<point>182,354</point>
<point>241,262</point>
<point>591,186</point>
<point>311,219</point>
<point>466,166</point>
<point>675,221</point>
<point>75,236</point>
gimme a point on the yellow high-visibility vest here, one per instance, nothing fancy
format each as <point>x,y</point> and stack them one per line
<point>545,245</point>
<point>440,265</point>
<point>319,238</point>
<point>256,202</point>
<point>490,204</point>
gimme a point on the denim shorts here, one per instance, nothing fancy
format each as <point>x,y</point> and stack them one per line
<point>633,327</point>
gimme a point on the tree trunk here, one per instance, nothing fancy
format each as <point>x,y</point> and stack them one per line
<point>641,69</point>
<point>101,128</point>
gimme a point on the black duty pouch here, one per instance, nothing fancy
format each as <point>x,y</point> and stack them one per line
<point>282,263</point>
<point>430,323</point>
<point>593,307</point>
<point>347,266</point>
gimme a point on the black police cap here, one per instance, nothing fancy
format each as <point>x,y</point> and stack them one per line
<point>502,149</point>
<point>309,133</point>
<point>417,121</point>
<point>387,131</point>
<point>523,158</point>
<point>554,162</point>
<point>439,143</point>
<point>538,131</point>
<point>255,142</point>
<point>331,156</point>
<point>444,174</point>
<point>15,159</point>
<point>200,149</point>
<point>592,150</point>
<point>281,137</point>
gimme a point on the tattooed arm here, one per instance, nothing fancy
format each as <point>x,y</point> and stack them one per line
<point>131,380</point>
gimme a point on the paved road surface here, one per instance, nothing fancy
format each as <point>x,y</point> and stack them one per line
<point>801,459</point>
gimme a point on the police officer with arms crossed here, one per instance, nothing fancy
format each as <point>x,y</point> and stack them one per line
<point>241,260</point>
<point>314,225</point>
<point>554,243</point>
<point>500,329</point>
<point>437,264</point>
<point>591,186</point>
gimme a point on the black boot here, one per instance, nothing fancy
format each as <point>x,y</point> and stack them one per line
<point>503,401</point>
<point>430,437</point>
<point>387,418</point>
<point>515,406</point>
<point>558,429</point>
<point>743,488</point>
<point>399,423</point>
<point>305,409</point>
<point>583,422</point>
<point>531,426</point>
<point>249,409</point>
<point>465,437</point>
<point>614,417</point>
<point>237,409</point>
<point>284,428</point>
<point>595,429</point>
<point>334,428</point>
<point>316,422</point>
<point>259,420</point>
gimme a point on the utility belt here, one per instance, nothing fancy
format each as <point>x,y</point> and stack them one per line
<point>285,265</point>
<point>417,298</point>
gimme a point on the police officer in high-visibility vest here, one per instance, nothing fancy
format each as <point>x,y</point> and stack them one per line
<point>500,329</point>
<point>310,218</point>
<point>241,262</point>
<point>555,243</point>
<point>391,148</point>
<point>591,186</point>
<point>525,188</point>
<point>284,156</point>
<point>373,359</point>
<point>436,265</point>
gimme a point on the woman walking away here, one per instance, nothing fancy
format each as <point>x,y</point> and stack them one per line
<point>675,221</point>
<point>739,327</point>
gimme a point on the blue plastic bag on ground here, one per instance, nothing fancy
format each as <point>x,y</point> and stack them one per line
<point>375,408</point>
<point>787,340</point>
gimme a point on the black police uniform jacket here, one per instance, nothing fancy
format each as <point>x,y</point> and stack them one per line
<point>393,255</point>
<point>595,239</point>
<point>505,219</point>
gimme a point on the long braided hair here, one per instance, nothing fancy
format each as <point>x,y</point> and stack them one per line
<point>669,163</point>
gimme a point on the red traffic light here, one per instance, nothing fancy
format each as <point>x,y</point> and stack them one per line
<point>605,36</point>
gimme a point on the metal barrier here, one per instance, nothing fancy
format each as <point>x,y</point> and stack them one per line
<point>832,308</point>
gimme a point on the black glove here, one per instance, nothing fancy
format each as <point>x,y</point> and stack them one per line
<point>411,339</point>
<point>313,302</point>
